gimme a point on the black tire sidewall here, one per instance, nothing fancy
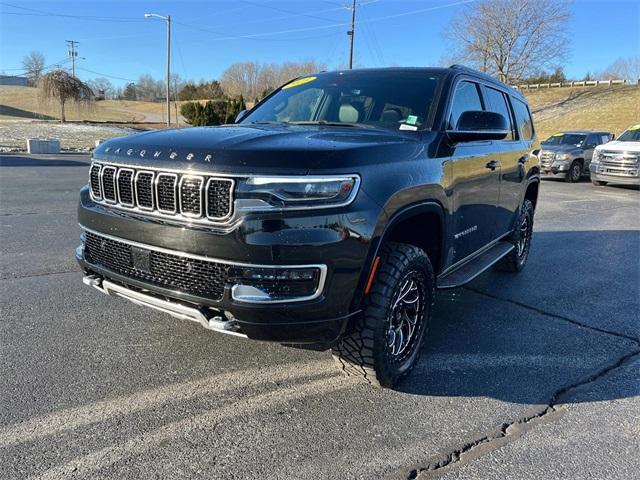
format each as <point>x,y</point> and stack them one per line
<point>389,370</point>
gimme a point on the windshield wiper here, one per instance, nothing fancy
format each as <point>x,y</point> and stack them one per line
<point>331,124</point>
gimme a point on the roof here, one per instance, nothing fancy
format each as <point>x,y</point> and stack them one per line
<point>452,70</point>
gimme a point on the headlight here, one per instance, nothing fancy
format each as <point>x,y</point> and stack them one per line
<point>290,193</point>
<point>562,156</point>
<point>596,157</point>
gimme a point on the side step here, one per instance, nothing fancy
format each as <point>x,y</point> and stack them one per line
<point>474,267</point>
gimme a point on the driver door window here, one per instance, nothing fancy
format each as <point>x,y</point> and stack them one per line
<point>466,97</point>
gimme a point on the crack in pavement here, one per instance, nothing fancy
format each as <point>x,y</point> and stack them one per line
<point>511,431</point>
<point>556,316</point>
<point>37,274</point>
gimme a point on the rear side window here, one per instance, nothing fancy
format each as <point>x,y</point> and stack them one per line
<point>523,119</point>
<point>466,97</point>
<point>496,102</point>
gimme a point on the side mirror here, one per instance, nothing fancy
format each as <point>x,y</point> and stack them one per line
<point>240,115</point>
<point>477,125</point>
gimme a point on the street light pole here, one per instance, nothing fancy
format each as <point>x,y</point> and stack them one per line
<point>168,20</point>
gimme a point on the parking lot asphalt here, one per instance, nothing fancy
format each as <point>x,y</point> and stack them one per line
<point>533,375</point>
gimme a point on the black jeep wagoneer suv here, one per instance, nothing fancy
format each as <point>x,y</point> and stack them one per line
<point>327,215</point>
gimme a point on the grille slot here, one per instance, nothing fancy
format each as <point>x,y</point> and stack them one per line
<point>125,187</point>
<point>94,180</point>
<point>188,275</point>
<point>219,204</point>
<point>144,190</point>
<point>166,192</point>
<point>191,196</point>
<point>108,175</point>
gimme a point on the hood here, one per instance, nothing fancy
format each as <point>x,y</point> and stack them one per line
<point>619,146</point>
<point>261,148</point>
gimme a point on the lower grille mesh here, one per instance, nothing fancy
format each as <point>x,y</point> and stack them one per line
<point>187,275</point>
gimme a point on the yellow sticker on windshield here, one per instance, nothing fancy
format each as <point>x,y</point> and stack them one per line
<point>300,81</point>
<point>558,134</point>
<point>635,127</point>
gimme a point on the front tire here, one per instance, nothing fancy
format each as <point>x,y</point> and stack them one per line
<point>516,259</point>
<point>385,342</point>
<point>598,183</point>
<point>575,172</point>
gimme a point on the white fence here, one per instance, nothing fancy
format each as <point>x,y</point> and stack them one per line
<point>583,83</point>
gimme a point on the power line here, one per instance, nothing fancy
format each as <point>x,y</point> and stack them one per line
<point>335,25</point>
<point>106,75</point>
<point>37,12</point>
<point>295,14</point>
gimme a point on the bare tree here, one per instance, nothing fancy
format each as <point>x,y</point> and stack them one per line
<point>33,65</point>
<point>627,68</point>
<point>62,87</point>
<point>252,79</point>
<point>511,39</point>
<point>102,87</point>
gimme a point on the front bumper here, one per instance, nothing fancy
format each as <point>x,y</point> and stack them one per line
<point>554,168</point>
<point>338,240</point>
<point>601,174</point>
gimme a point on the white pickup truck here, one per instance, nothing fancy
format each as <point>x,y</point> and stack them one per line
<point>618,161</point>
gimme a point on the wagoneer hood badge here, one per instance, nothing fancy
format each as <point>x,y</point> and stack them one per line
<point>241,149</point>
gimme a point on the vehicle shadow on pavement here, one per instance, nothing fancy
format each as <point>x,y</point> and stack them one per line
<point>521,338</point>
<point>20,161</point>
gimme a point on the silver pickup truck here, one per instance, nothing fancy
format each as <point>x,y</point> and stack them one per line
<point>568,154</point>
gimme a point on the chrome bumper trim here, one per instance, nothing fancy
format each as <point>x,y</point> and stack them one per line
<point>174,309</point>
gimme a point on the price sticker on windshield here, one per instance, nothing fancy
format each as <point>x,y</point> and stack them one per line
<point>300,81</point>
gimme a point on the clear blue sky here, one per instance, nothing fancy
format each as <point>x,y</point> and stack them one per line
<point>209,35</point>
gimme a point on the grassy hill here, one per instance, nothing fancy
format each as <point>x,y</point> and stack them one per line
<point>20,103</point>
<point>613,108</point>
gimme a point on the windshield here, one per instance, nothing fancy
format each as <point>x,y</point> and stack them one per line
<point>390,99</point>
<point>631,135</point>
<point>565,139</point>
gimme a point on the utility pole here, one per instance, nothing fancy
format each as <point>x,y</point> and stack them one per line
<point>73,53</point>
<point>352,32</point>
<point>168,20</point>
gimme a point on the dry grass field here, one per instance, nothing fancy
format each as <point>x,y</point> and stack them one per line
<point>611,108</point>
<point>24,103</point>
<point>606,108</point>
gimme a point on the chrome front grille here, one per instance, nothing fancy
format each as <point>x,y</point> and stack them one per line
<point>108,177</point>
<point>167,194</point>
<point>546,158</point>
<point>618,163</point>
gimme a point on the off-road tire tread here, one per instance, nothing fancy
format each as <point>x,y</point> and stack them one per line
<point>354,354</point>
<point>510,262</point>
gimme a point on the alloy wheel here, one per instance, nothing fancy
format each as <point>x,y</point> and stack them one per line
<point>405,317</point>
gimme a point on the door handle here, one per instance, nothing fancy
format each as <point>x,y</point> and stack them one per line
<point>493,164</point>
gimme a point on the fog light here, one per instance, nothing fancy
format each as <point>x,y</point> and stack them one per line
<point>260,285</point>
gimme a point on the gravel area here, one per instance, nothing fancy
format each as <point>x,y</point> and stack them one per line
<point>72,136</point>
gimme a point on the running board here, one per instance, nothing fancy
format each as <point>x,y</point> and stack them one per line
<point>474,267</point>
